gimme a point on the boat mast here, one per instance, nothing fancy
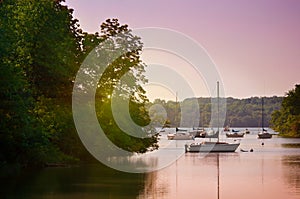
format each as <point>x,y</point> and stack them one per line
<point>218,164</point>
<point>175,118</point>
<point>218,110</point>
<point>218,96</point>
<point>262,114</point>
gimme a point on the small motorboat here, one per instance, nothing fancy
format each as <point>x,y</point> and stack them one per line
<point>247,131</point>
<point>235,135</point>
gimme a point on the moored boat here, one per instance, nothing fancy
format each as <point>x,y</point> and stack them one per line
<point>198,133</point>
<point>226,128</point>
<point>180,136</point>
<point>235,135</point>
<point>264,133</point>
<point>212,146</point>
<point>247,131</point>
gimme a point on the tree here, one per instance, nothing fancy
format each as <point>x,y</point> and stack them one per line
<point>19,131</point>
<point>239,112</point>
<point>287,120</point>
<point>120,83</point>
<point>39,53</point>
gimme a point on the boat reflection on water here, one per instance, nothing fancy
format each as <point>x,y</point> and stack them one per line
<point>271,171</point>
<point>265,173</point>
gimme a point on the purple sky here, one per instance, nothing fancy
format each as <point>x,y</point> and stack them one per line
<point>255,44</point>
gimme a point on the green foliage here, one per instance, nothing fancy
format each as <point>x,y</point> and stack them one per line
<point>122,81</point>
<point>57,125</point>
<point>42,41</point>
<point>41,49</point>
<point>287,119</point>
<point>39,46</point>
<point>239,112</point>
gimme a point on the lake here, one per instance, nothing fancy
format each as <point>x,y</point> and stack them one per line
<point>272,171</point>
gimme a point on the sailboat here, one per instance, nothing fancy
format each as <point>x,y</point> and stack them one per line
<point>264,133</point>
<point>199,132</point>
<point>218,164</point>
<point>235,134</point>
<point>226,128</point>
<point>212,146</point>
<point>180,134</point>
<point>202,133</point>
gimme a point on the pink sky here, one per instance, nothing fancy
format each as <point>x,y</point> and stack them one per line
<point>255,44</point>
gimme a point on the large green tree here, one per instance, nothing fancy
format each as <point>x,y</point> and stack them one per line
<point>122,82</point>
<point>41,49</point>
<point>39,55</point>
<point>287,120</point>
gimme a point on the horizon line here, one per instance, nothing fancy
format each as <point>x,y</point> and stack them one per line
<point>242,98</point>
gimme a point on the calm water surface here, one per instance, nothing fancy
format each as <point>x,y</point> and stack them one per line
<point>271,171</point>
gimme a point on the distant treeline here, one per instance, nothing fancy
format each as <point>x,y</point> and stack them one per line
<point>239,112</point>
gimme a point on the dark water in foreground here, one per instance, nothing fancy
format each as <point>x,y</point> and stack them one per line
<point>271,171</point>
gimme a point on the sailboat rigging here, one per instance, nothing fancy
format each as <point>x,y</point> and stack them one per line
<point>213,146</point>
<point>264,133</point>
<point>218,164</point>
<point>180,134</point>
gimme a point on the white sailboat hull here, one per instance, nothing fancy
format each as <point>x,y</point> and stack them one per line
<point>179,136</point>
<point>211,147</point>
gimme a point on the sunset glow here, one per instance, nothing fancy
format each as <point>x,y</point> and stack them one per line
<point>255,44</point>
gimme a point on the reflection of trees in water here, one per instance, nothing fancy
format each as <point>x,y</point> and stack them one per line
<point>86,181</point>
<point>156,186</point>
<point>291,167</point>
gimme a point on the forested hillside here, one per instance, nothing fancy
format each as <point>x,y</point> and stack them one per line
<point>239,112</point>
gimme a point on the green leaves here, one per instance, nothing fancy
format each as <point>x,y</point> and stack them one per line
<point>122,80</point>
<point>239,112</point>
<point>287,120</point>
<point>39,48</point>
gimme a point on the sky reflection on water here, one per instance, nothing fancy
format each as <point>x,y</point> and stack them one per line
<point>271,171</point>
